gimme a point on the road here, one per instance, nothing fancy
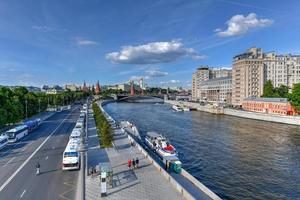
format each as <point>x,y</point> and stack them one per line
<point>46,146</point>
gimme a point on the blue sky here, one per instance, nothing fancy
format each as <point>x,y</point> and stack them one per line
<point>58,42</point>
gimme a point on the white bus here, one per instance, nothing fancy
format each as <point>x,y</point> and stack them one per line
<point>76,134</point>
<point>71,158</point>
<point>3,141</point>
<point>17,133</point>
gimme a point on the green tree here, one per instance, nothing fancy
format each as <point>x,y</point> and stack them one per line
<point>282,91</point>
<point>294,97</point>
<point>268,89</point>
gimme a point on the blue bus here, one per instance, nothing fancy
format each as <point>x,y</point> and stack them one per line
<point>17,133</point>
<point>32,124</point>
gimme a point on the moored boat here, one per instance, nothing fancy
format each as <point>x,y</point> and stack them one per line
<point>177,108</point>
<point>131,128</point>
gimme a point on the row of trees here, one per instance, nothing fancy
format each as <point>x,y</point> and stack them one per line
<point>19,103</point>
<point>105,132</point>
<point>283,92</point>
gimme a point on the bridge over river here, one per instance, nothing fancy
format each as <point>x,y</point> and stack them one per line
<point>139,98</point>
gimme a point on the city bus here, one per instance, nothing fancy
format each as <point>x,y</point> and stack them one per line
<point>76,134</point>
<point>17,133</point>
<point>71,158</point>
<point>3,141</point>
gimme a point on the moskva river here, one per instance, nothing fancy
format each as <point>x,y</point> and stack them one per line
<point>236,158</point>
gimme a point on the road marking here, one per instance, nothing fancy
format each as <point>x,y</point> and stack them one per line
<point>22,194</point>
<point>27,160</point>
<point>46,158</point>
<point>9,161</point>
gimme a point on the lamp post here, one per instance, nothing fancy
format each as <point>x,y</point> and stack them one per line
<point>39,105</point>
<point>26,102</point>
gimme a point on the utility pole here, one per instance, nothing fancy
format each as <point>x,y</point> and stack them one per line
<point>26,102</point>
<point>39,105</point>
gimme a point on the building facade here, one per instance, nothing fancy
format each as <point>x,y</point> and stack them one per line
<point>282,69</point>
<point>247,75</point>
<point>218,90</point>
<point>201,75</point>
<point>276,106</point>
<point>71,87</point>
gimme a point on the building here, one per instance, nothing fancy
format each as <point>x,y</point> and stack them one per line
<point>71,87</point>
<point>55,89</point>
<point>218,90</point>
<point>98,88</point>
<point>277,106</point>
<point>247,75</point>
<point>219,72</point>
<point>282,69</point>
<point>203,74</point>
<point>84,87</point>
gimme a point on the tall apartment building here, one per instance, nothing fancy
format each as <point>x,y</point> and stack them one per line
<point>203,74</point>
<point>247,75</point>
<point>282,69</point>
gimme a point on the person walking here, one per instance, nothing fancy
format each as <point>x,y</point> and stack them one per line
<point>129,164</point>
<point>137,162</point>
<point>133,163</point>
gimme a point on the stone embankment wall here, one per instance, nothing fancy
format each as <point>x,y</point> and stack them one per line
<point>197,106</point>
<point>293,120</point>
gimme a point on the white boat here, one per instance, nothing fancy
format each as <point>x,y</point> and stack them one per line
<point>184,108</point>
<point>159,144</point>
<point>177,108</point>
<point>131,128</point>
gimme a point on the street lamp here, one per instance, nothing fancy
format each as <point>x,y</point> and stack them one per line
<point>39,105</point>
<point>26,102</point>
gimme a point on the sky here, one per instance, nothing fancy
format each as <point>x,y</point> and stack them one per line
<point>69,41</point>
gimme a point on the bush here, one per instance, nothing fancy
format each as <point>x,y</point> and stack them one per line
<point>105,132</point>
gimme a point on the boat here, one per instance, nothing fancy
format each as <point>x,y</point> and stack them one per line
<point>177,108</point>
<point>131,128</point>
<point>185,109</point>
<point>160,145</point>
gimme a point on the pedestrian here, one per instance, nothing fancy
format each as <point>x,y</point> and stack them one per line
<point>129,164</point>
<point>137,162</point>
<point>133,163</point>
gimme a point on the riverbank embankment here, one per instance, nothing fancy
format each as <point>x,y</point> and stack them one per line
<point>293,120</point>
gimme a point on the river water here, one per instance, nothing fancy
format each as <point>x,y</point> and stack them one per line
<point>236,158</point>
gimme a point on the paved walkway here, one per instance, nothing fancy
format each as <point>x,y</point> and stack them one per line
<point>142,183</point>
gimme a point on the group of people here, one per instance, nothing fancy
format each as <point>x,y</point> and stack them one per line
<point>133,164</point>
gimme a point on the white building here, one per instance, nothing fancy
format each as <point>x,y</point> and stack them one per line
<point>282,69</point>
<point>218,90</point>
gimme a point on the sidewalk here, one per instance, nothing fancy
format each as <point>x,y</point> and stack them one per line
<point>142,183</point>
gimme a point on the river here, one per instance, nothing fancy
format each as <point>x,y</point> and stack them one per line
<point>236,158</point>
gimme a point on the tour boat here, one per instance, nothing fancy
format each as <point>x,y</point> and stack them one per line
<point>131,128</point>
<point>177,108</point>
<point>160,145</point>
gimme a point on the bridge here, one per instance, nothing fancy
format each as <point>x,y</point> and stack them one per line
<point>139,98</point>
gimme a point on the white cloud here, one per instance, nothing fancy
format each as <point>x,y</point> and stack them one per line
<point>42,28</point>
<point>84,42</point>
<point>156,73</point>
<point>137,78</point>
<point>240,24</point>
<point>151,53</point>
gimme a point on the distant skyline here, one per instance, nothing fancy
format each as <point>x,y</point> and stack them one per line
<point>59,42</point>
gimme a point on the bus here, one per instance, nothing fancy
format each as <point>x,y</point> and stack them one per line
<point>76,134</point>
<point>3,141</point>
<point>71,158</point>
<point>17,133</point>
<point>32,124</point>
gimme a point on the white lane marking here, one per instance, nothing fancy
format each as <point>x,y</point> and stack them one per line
<point>27,160</point>
<point>46,158</point>
<point>9,161</point>
<point>22,194</point>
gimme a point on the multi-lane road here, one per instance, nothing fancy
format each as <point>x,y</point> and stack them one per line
<point>45,145</point>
